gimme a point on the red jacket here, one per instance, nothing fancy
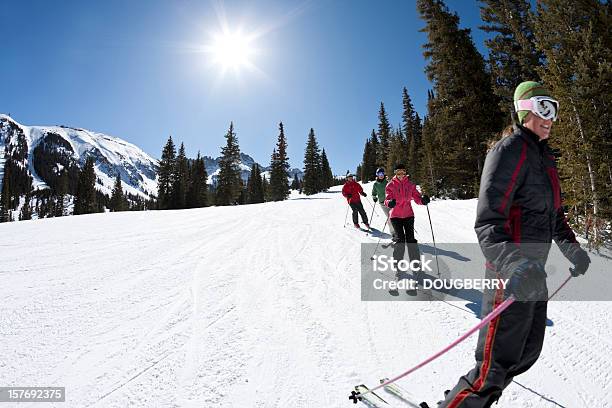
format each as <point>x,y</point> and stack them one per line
<point>354,189</point>
<point>403,192</point>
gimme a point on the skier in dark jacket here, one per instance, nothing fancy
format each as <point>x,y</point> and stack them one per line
<point>378,195</point>
<point>519,215</point>
<point>352,190</point>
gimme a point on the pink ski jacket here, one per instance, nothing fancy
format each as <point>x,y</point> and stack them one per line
<point>403,192</point>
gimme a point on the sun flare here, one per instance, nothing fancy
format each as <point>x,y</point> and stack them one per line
<point>231,50</point>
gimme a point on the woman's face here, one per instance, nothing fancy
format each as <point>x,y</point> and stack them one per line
<point>400,174</point>
<point>538,125</point>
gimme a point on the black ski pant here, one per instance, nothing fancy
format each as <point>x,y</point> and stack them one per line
<point>358,208</point>
<point>404,232</point>
<point>508,346</point>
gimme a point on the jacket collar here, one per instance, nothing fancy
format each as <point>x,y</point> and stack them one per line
<point>532,138</point>
<point>397,180</point>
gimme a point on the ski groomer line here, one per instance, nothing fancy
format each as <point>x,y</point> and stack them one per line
<point>519,203</point>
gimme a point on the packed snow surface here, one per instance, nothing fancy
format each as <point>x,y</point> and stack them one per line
<point>251,306</point>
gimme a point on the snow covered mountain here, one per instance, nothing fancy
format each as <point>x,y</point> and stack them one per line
<point>255,306</point>
<point>46,151</point>
<point>246,164</point>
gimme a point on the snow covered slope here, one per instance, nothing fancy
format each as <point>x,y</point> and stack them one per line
<point>251,306</point>
<point>112,155</point>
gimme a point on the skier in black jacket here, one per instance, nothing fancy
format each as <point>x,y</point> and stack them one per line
<point>519,215</point>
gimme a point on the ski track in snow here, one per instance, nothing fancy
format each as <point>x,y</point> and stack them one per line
<point>250,306</point>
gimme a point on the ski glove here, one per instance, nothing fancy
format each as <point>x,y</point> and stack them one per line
<point>363,193</point>
<point>425,199</point>
<point>375,199</point>
<point>581,263</point>
<point>391,203</point>
<point>528,282</point>
<point>349,195</point>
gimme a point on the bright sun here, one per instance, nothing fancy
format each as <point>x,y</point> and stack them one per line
<point>231,50</point>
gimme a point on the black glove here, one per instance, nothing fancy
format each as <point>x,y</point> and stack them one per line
<point>375,199</point>
<point>391,203</point>
<point>363,193</point>
<point>528,282</point>
<point>581,263</point>
<point>425,199</point>
<point>349,195</point>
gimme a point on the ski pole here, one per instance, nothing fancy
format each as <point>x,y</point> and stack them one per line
<point>434,240</point>
<point>379,238</point>
<point>496,312</point>
<point>346,216</point>
<point>373,206</point>
<point>486,320</point>
<point>371,215</point>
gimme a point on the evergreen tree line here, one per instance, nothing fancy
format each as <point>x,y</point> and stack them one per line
<point>55,201</point>
<point>387,146</point>
<point>564,44</point>
<point>182,183</point>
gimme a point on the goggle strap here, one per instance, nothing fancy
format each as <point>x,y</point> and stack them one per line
<point>523,104</point>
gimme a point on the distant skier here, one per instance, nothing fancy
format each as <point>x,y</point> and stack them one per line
<point>378,195</point>
<point>352,190</point>
<point>519,203</point>
<point>399,194</point>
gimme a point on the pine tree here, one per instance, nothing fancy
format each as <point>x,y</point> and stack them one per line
<point>61,191</point>
<point>85,200</point>
<point>265,186</point>
<point>384,135</point>
<point>197,193</point>
<point>180,180</point>
<point>326,172</point>
<point>427,174</point>
<point>397,150</point>
<point>412,129</point>
<point>255,190</point>
<point>513,57</point>
<point>5,198</point>
<point>279,174</point>
<point>312,166</point>
<point>465,111</point>
<point>165,175</point>
<point>26,209</point>
<point>118,201</point>
<point>229,181</point>
<point>369,162</point>
<point>296,184</point>
<point>575,38</point>
<point>242,198</point>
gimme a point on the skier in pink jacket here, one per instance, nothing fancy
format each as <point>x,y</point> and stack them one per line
<point>399,194</point>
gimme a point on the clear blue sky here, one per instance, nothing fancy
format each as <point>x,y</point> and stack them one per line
<point>129,69</point>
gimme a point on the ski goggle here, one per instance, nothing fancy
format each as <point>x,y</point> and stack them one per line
<point>544,107</point>
<point>380,174</point>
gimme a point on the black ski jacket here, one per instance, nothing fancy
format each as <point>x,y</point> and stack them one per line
<point>519,204</point>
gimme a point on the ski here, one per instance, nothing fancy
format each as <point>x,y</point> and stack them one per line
<point>403,395</point>
<point>371,399</point>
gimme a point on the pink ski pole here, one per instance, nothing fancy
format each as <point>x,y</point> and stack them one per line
<point>494,313</point>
